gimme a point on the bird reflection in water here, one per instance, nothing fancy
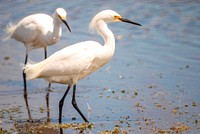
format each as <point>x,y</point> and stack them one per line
<point>46,126</point>
<point>30,119</point>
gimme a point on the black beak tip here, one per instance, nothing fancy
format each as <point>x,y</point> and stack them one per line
<point>139,24</point>
<point>66,25</point>
<point>69,29</point>
<point>129,21</point>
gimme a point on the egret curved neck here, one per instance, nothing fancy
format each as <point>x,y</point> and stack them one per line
<point>56,26</point>
<point>106,33</point>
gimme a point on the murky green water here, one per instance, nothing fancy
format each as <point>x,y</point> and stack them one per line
<point>151,84</point>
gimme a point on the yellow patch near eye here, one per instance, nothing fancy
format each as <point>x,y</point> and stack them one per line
<point>117,17</point>
<point>62,17</point>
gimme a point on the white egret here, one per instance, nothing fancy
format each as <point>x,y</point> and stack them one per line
<point>38,30</point>
<point>77,61</point>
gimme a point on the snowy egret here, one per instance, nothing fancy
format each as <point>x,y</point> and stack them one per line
<point>77,61</point>
<point>38,30</point>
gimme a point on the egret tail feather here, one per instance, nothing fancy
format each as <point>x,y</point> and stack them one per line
<point>9,30</point>
<point>32,71</point>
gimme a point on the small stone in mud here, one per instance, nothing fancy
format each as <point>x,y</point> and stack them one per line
<point>6,58</point>
<point>123,91</point>
<point>42,109</point>
<point>139,127</point>
<point>196,121</point>
<point>73,118</point>
<point>135,93</point>
<point>187,66</point>
<point>121,77</point>
<point>194,104</point>
<point>152,86</point>
<point>186,105</point>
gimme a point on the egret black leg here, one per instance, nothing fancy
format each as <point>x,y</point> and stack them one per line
<point>24,75</point>
<point>61,131</point>
<point>25,89</point>
<point>75,104</point>
<point>47,103</point>
<point>49,85</point>
<point>27,106</point>
<point>45,56</point>
<point>45,52</point>
<point>62,102</point>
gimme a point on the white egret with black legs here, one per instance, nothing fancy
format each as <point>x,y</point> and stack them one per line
<point>77,61</point>
<point>38,30</point>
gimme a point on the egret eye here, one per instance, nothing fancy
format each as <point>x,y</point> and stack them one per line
<point>117,17</point>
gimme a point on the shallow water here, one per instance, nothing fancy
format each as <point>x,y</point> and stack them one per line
<point>151,84</point>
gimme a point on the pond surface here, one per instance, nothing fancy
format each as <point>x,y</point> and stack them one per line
<point>150,86</point>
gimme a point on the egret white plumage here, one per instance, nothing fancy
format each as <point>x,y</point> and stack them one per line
<point>77,61</point>
<point>38,30</point>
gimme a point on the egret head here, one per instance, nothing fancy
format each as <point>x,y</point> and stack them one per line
<point>62,15</point>
<point>109,16</point>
